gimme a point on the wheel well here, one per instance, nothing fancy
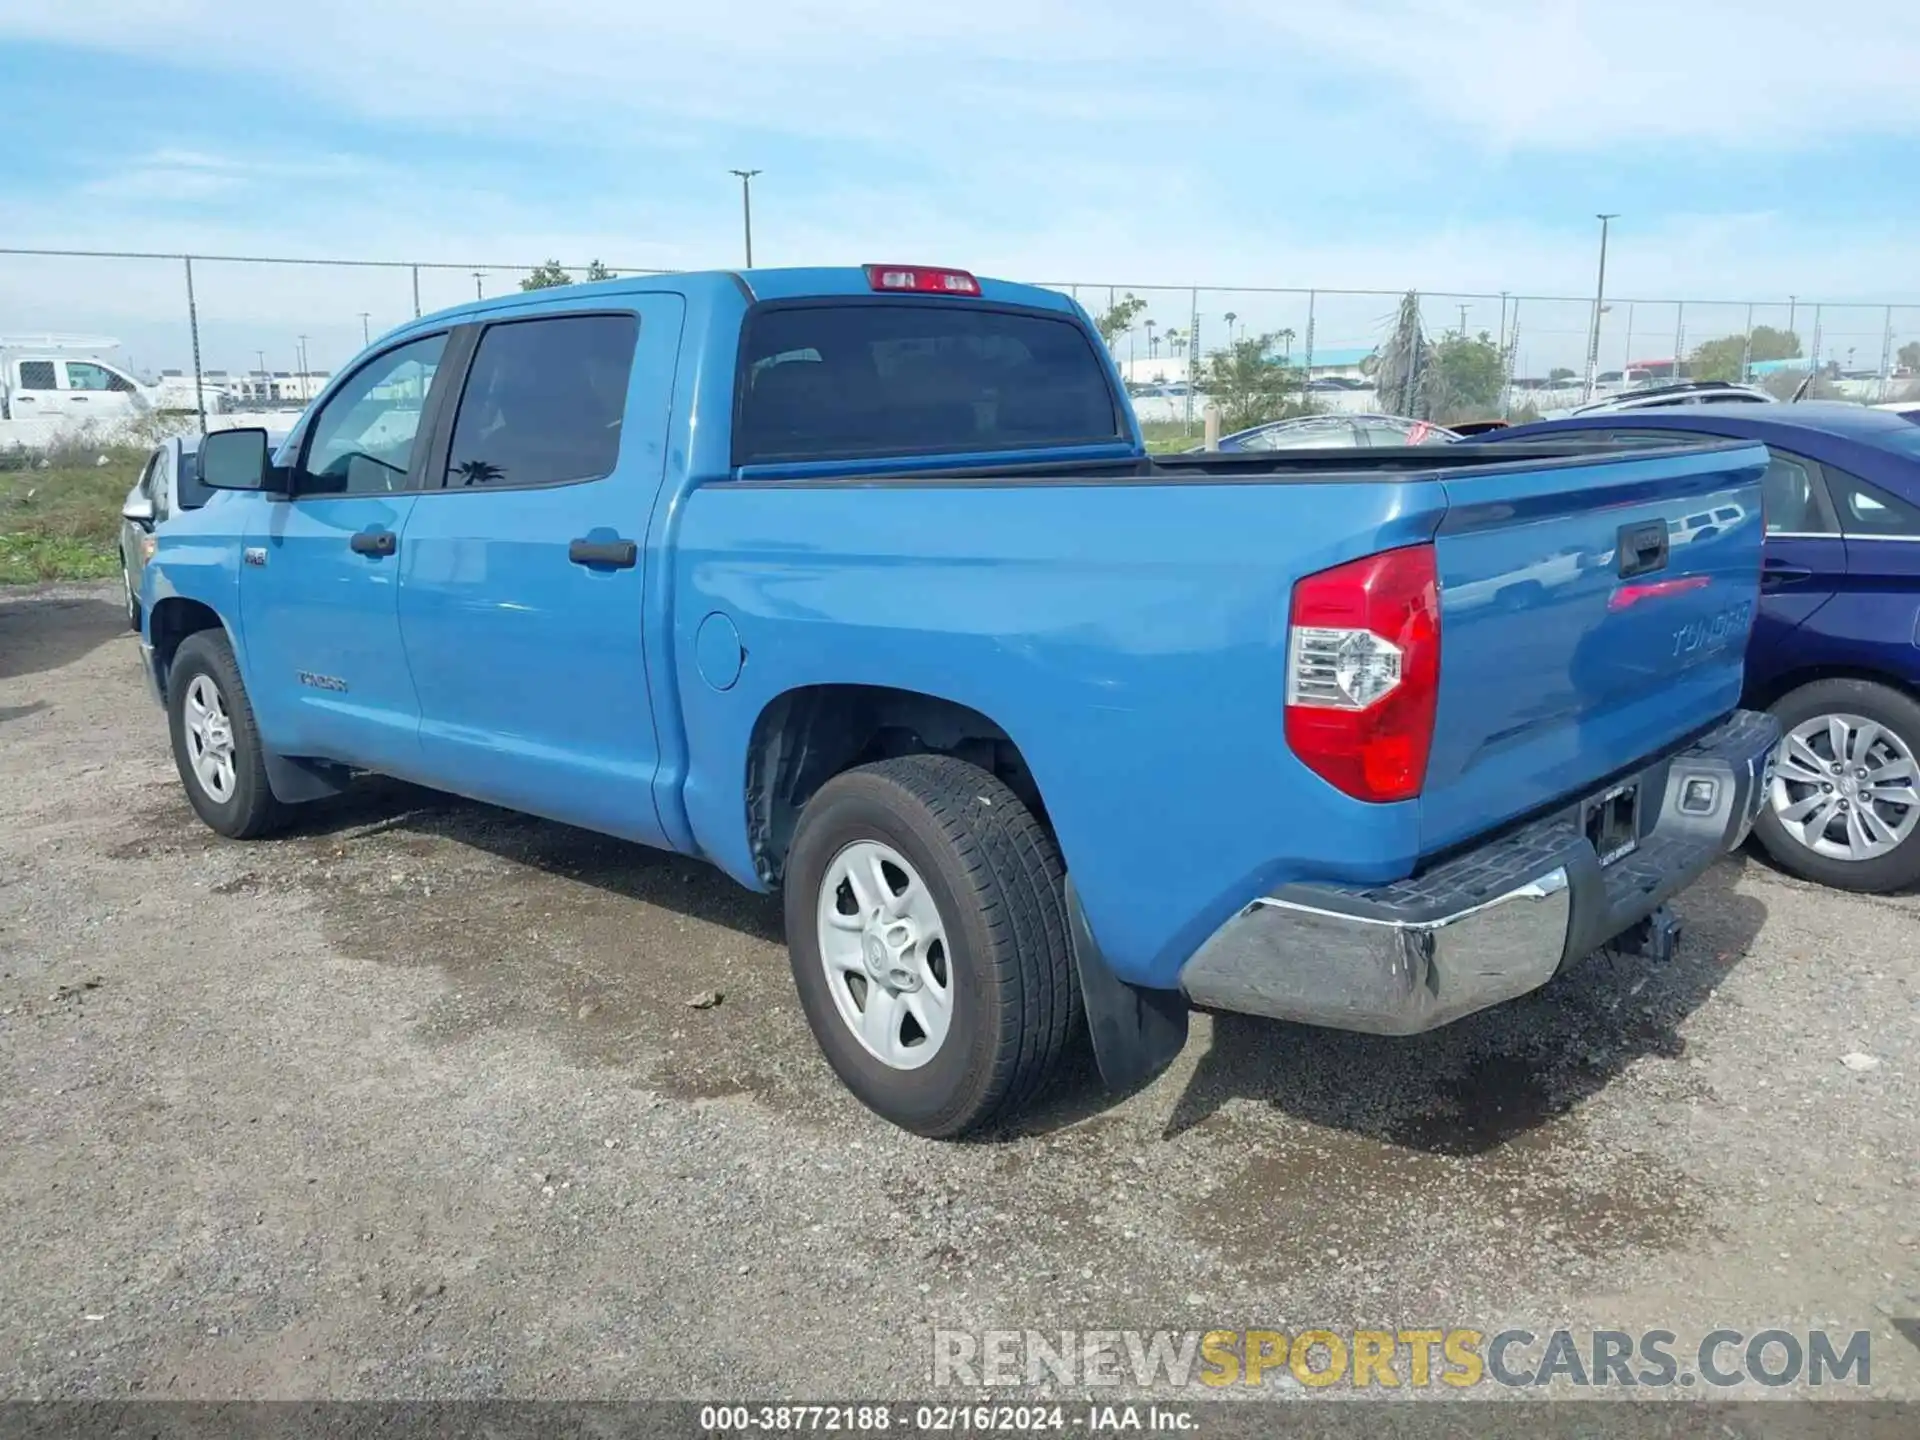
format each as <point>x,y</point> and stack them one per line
<point>172,621</point>
<point>1760,697</point>
<point>806,737</point>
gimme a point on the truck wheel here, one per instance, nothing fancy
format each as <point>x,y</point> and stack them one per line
<point>216,744</point>
<point>927,929</point>
<point>1844,808</point>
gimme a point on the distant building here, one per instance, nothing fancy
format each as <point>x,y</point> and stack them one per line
<point>277,387</point>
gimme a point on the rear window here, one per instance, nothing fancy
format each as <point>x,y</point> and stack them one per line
<point>843,381</point>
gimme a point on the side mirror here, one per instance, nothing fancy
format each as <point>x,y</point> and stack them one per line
<point>139,509</point>
<point>234,460</point>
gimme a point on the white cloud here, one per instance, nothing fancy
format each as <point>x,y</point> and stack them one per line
<point>1572,75</point>
<point>1545,75</point>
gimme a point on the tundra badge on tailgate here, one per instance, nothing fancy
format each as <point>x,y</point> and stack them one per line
<point>1714,632</point>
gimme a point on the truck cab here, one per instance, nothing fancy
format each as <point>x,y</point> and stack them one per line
<point>52,386</point>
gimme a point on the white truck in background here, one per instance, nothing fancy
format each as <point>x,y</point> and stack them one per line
<point>57,387</point>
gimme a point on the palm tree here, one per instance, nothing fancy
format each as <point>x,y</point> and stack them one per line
<point>1286,340</point>
<point>1153,344</point>
<point>1231,317</point>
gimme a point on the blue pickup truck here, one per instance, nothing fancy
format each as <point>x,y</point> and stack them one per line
<point>860,584</point>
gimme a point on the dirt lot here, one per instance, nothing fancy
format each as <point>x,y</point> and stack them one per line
<point>413,1102</point>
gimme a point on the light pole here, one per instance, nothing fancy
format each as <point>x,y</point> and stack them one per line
<point>1599,298</point>
<point>746,208</point>
<point>266,380</point>
<point>478,293</point>
<point>365,316</point>
<point>303,358</point>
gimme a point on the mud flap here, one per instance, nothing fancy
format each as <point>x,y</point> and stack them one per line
<point>1136,1031</point>
<point>294,782</point>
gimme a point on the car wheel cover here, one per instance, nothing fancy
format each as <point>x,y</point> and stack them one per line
<point>1846,788</point>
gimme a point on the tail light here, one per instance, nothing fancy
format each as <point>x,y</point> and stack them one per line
<point>1363,673</point>
<point>921,280</point>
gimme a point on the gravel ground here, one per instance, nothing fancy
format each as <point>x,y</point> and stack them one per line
<point>414,1103</point>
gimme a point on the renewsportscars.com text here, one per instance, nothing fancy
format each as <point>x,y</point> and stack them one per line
<point>1457,1358</point>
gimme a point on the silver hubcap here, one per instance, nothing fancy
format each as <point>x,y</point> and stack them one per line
<point>884,947</point>
<point>1846,788</point>
<point>209,738</point>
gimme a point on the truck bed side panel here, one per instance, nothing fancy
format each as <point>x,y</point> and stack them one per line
<point>1131,640</point>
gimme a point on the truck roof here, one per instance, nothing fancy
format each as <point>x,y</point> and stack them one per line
<point>789,283</point>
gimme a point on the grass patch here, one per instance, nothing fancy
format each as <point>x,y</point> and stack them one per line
<point>1165,437</point>
<point>63,523</point>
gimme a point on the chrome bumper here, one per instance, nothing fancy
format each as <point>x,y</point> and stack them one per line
<point>1494,922</point>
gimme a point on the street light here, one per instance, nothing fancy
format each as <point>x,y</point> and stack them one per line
<point>746,208</point>
<point>1599,298</point>
<point>365,316</point>
<point>478,293</point>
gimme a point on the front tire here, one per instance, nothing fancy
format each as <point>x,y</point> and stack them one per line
<point>1844,807</point>
<point>927,930</point>
<point>126,584</point>
<point>216,744</point>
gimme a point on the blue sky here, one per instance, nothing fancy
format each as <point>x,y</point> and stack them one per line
<point>1754,149</point>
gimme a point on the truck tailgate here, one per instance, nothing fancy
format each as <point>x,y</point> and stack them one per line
<point>1593,611</point>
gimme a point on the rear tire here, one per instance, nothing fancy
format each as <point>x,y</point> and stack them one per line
<point>993,888</point>
<point>216,744</point>
<point>1789,834</point>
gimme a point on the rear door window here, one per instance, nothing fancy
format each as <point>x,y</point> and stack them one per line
<point>544,402</point>
<point>1867,511</point>
<point>851,380</point>
<point>1795,502</point>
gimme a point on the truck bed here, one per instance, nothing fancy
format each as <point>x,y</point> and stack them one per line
<point>1331,466</point>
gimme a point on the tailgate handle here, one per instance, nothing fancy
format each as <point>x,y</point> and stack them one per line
<point>1642,548</point>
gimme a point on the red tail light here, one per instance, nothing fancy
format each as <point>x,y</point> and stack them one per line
<point>1363,673</point>
<point>922,280</point>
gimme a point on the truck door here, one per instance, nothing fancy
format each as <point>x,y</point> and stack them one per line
<point>96,392</point>
<point>34,390</point>
<point>319,578</point>
<point>524,569</point>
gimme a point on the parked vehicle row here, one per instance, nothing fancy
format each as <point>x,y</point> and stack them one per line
<point>860,584</point>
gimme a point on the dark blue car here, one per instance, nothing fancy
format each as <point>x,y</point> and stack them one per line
<point>1836,647</point>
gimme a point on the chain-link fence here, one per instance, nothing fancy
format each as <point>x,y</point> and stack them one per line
<point>244,332</point>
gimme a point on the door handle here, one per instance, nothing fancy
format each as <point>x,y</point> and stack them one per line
<point>1774,575</point>
<point>374,542</point>
<point>612,554</point>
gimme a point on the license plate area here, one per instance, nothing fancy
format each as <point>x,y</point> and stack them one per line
<point>1612,822</point>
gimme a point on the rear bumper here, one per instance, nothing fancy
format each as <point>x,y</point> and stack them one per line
<point>1491,923</point>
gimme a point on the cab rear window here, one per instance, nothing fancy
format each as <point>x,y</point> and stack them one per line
<point>868,379</point>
